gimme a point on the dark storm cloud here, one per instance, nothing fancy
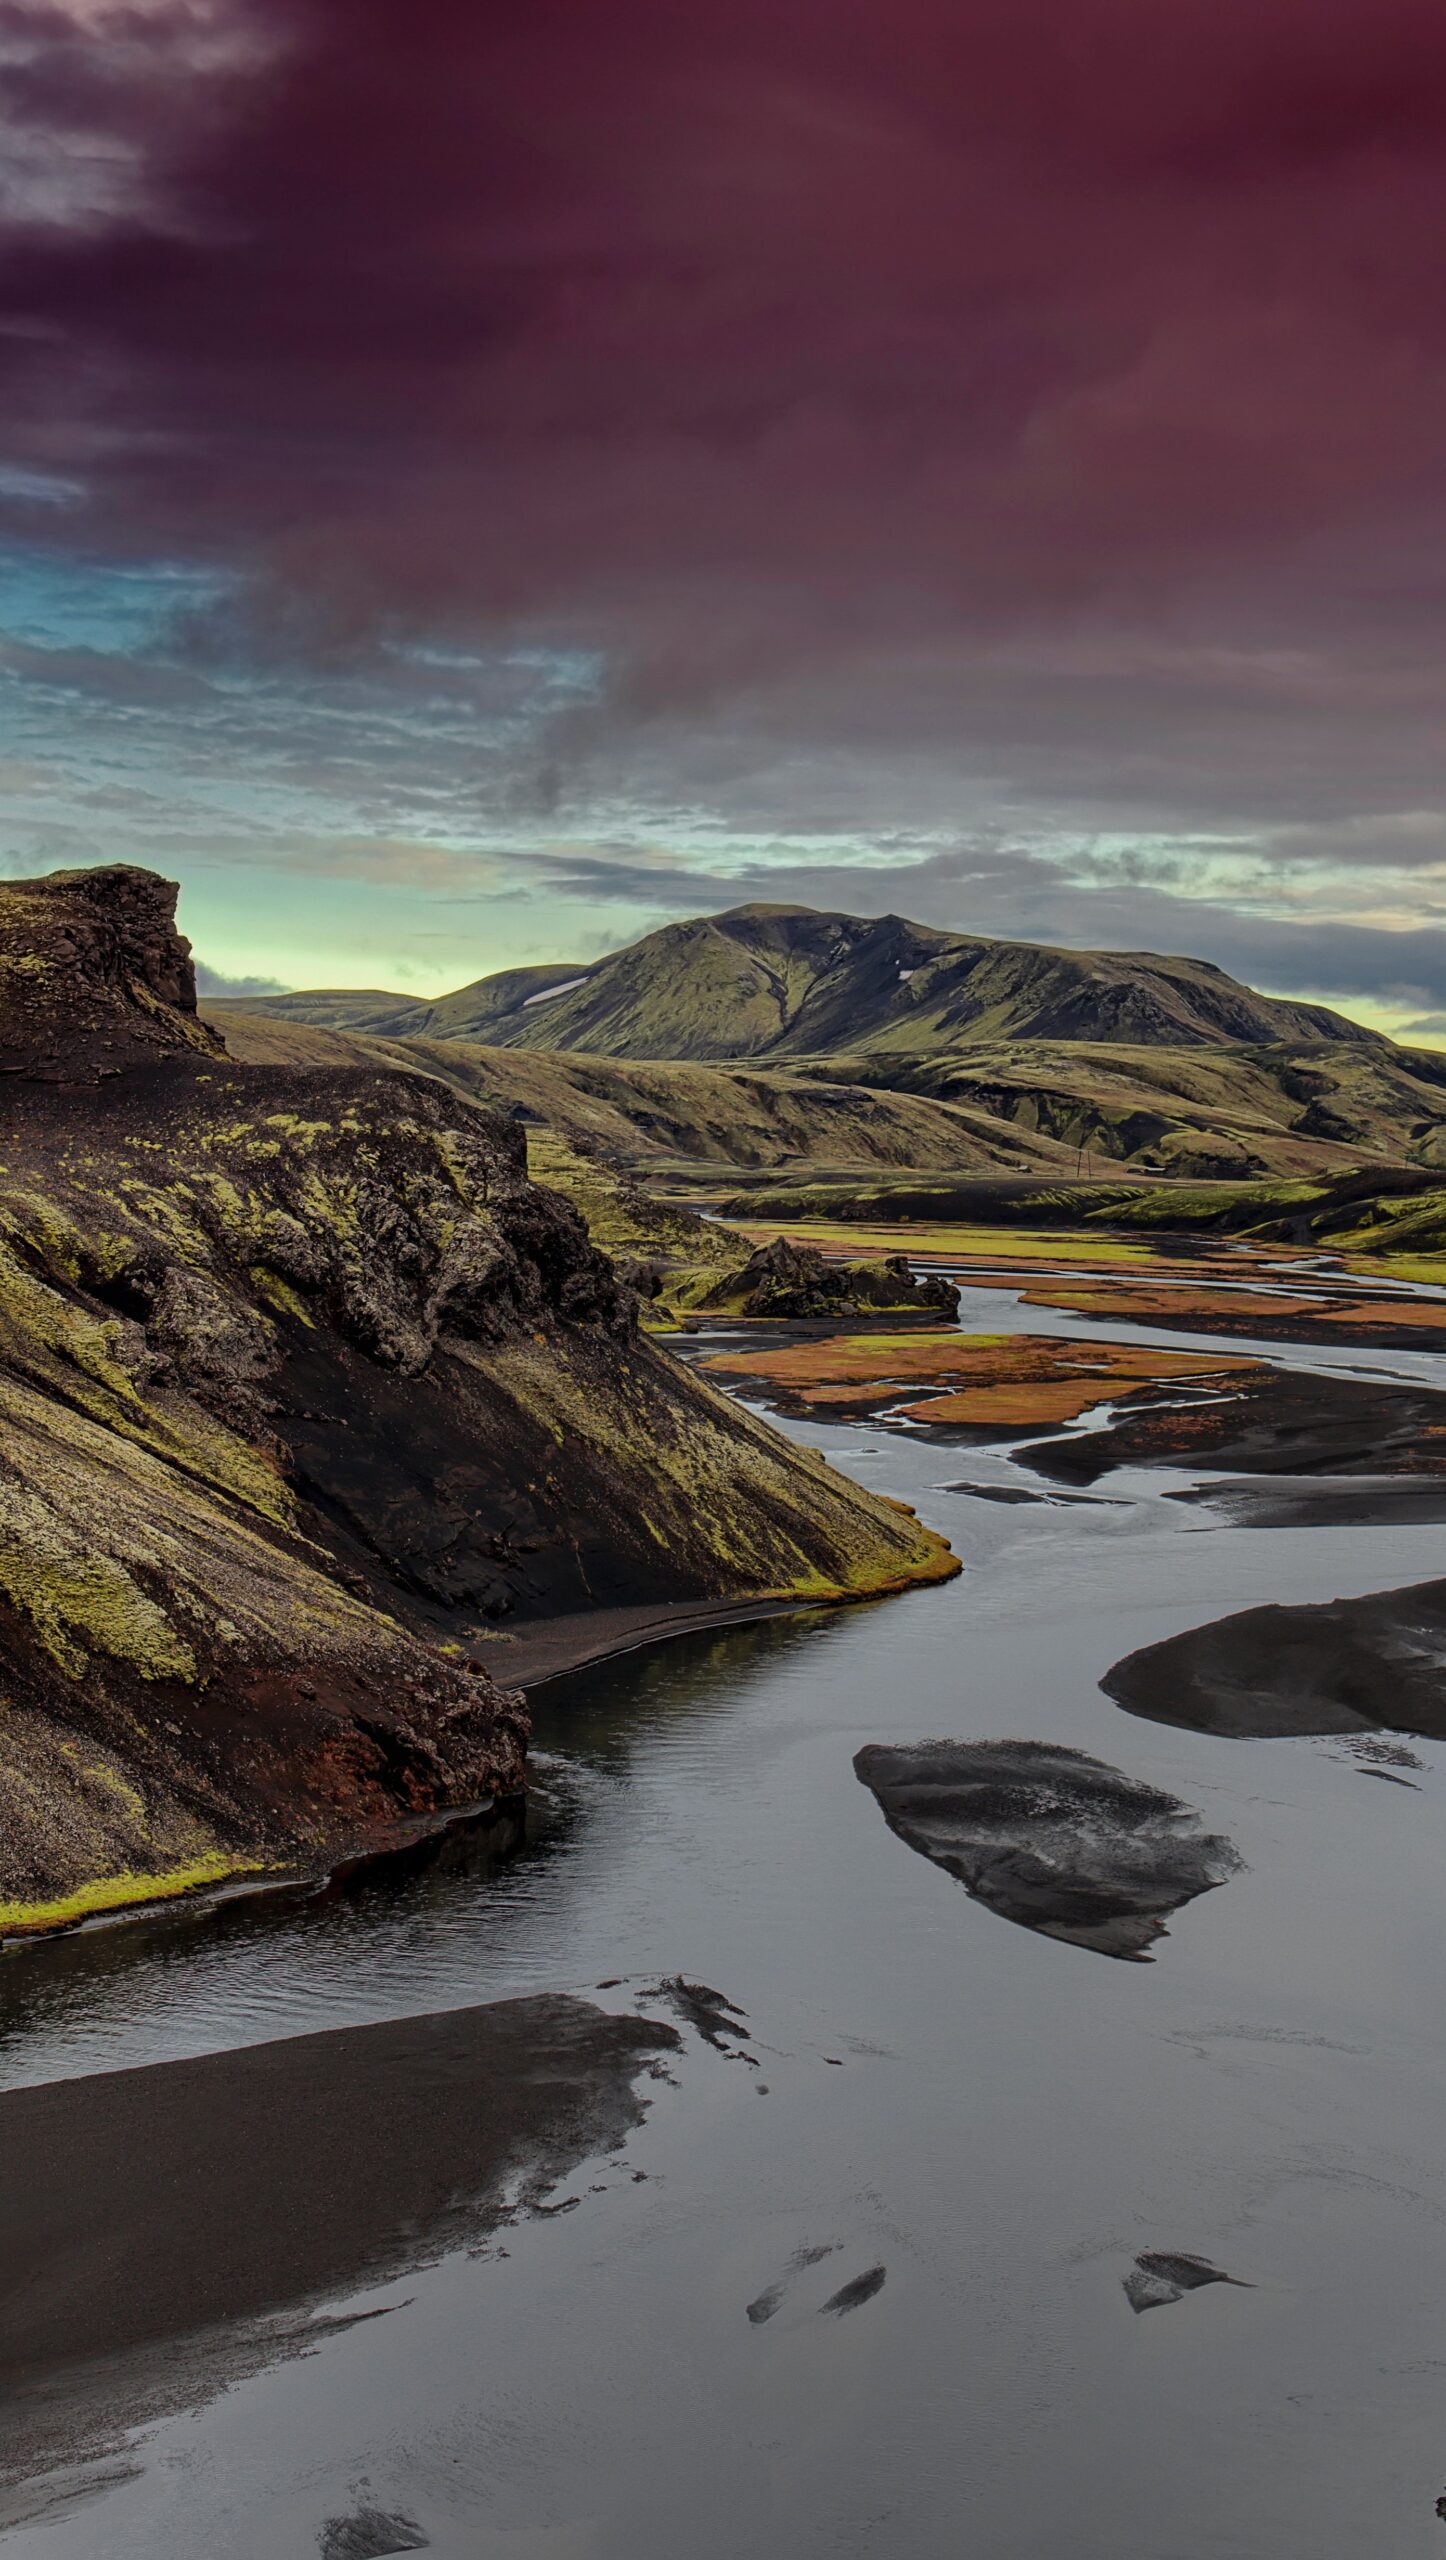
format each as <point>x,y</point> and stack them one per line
<point>993,889</point>
<point>1044,393</point>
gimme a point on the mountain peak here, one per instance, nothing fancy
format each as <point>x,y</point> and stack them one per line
<point>779,981</point>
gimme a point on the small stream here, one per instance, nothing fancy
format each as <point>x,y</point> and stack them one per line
<point>703,2356</point>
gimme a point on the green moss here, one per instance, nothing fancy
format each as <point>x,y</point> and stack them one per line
<point>124,1891</point>
<point>279,1293</point>
<point>1426,1268</point>
<point>455,1166</point>
<point>80,1603</point>
<point>302,1133</point>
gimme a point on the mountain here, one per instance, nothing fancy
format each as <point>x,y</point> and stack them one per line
<point>310,1399</point>
<point>780,982</point>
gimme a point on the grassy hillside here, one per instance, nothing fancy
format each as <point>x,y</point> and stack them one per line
<point>1043,1109</point>
<point>1217,1114</point>
<point>776,982</point>
<point>652,1116</point>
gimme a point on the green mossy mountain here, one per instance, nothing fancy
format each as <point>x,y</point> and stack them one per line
<point>803,1046</point>
<point>783,981</point>
<point>1033,1109</point>
<point>309,1396</point>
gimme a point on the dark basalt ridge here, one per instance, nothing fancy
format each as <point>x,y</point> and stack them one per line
<point>307,1394</point>
<point>791,1281</point>
<point>1339,1666</point>
<point>1050,1838</point>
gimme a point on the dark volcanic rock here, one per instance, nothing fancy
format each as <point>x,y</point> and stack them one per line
<point>1339,1666</point>
<point>94,977</point>
<point>793,1281</point>
<point>1050,1838</point>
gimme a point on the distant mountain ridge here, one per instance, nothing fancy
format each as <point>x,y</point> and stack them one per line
<point>781,982</point>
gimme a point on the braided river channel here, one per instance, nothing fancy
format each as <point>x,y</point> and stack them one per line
<point>895,2220</point>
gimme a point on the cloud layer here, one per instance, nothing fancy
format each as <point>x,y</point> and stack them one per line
<point>1017,418</point>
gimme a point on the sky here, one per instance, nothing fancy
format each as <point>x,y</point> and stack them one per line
<point>478,483</point>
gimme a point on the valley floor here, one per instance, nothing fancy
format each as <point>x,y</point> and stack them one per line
<point>779,2162</point>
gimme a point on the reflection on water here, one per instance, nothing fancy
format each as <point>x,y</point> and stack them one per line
<point>456,1918</point>
<point>171,2228</point>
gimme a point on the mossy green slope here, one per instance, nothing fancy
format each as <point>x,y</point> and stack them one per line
<point>775,981</point>
<point>307,1391</point>
<point>1041,1107</point>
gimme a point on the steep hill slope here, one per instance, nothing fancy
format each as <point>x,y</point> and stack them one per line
<point>1303,1107</point>
<point>1031,1107</point>
<point>307,1392</point>
<point>776,982</point>
<point>651,1114</point>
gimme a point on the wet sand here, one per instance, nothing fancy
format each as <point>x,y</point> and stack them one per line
<point>1050,1839</point>
<point>1274,1422</point>
<point>139,2209</point>
<point>548,1648</point>
<point>1341,1666</point>
<point>1328,1502</point>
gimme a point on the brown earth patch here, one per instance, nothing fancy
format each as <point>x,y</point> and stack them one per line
<point>1005,1381</point>
<point>1399,1323</point>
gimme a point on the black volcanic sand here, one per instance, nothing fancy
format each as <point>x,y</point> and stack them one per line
<point>1050,1838</point>
<point>1162,2276</point>
<point>1012,1494</point>
<point>1338,1666</point>
<point>1274,1422</point>
<point>1330,1502</point>
<point>197,2200</point>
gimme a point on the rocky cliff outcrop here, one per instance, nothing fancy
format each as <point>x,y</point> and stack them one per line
<point>790,1281</point>
<point>307,1396</point>
<point>94,977</point>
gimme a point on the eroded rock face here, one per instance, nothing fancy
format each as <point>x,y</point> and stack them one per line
<point>94,977</point>
<point>1050,1838</point>
<point>305,1392</point>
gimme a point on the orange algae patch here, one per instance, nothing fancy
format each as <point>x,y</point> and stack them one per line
<point>1207,1310</point>
<point>1013,1380</point>
<point>838,1359</point>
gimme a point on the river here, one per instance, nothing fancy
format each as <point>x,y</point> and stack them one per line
<point>855,2284</point>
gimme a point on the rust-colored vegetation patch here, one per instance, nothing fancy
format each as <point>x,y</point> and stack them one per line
<point>1189,1307</point>
<point>1012,1381</point>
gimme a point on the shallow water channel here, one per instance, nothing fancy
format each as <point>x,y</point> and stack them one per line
<point>701,2354</point>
